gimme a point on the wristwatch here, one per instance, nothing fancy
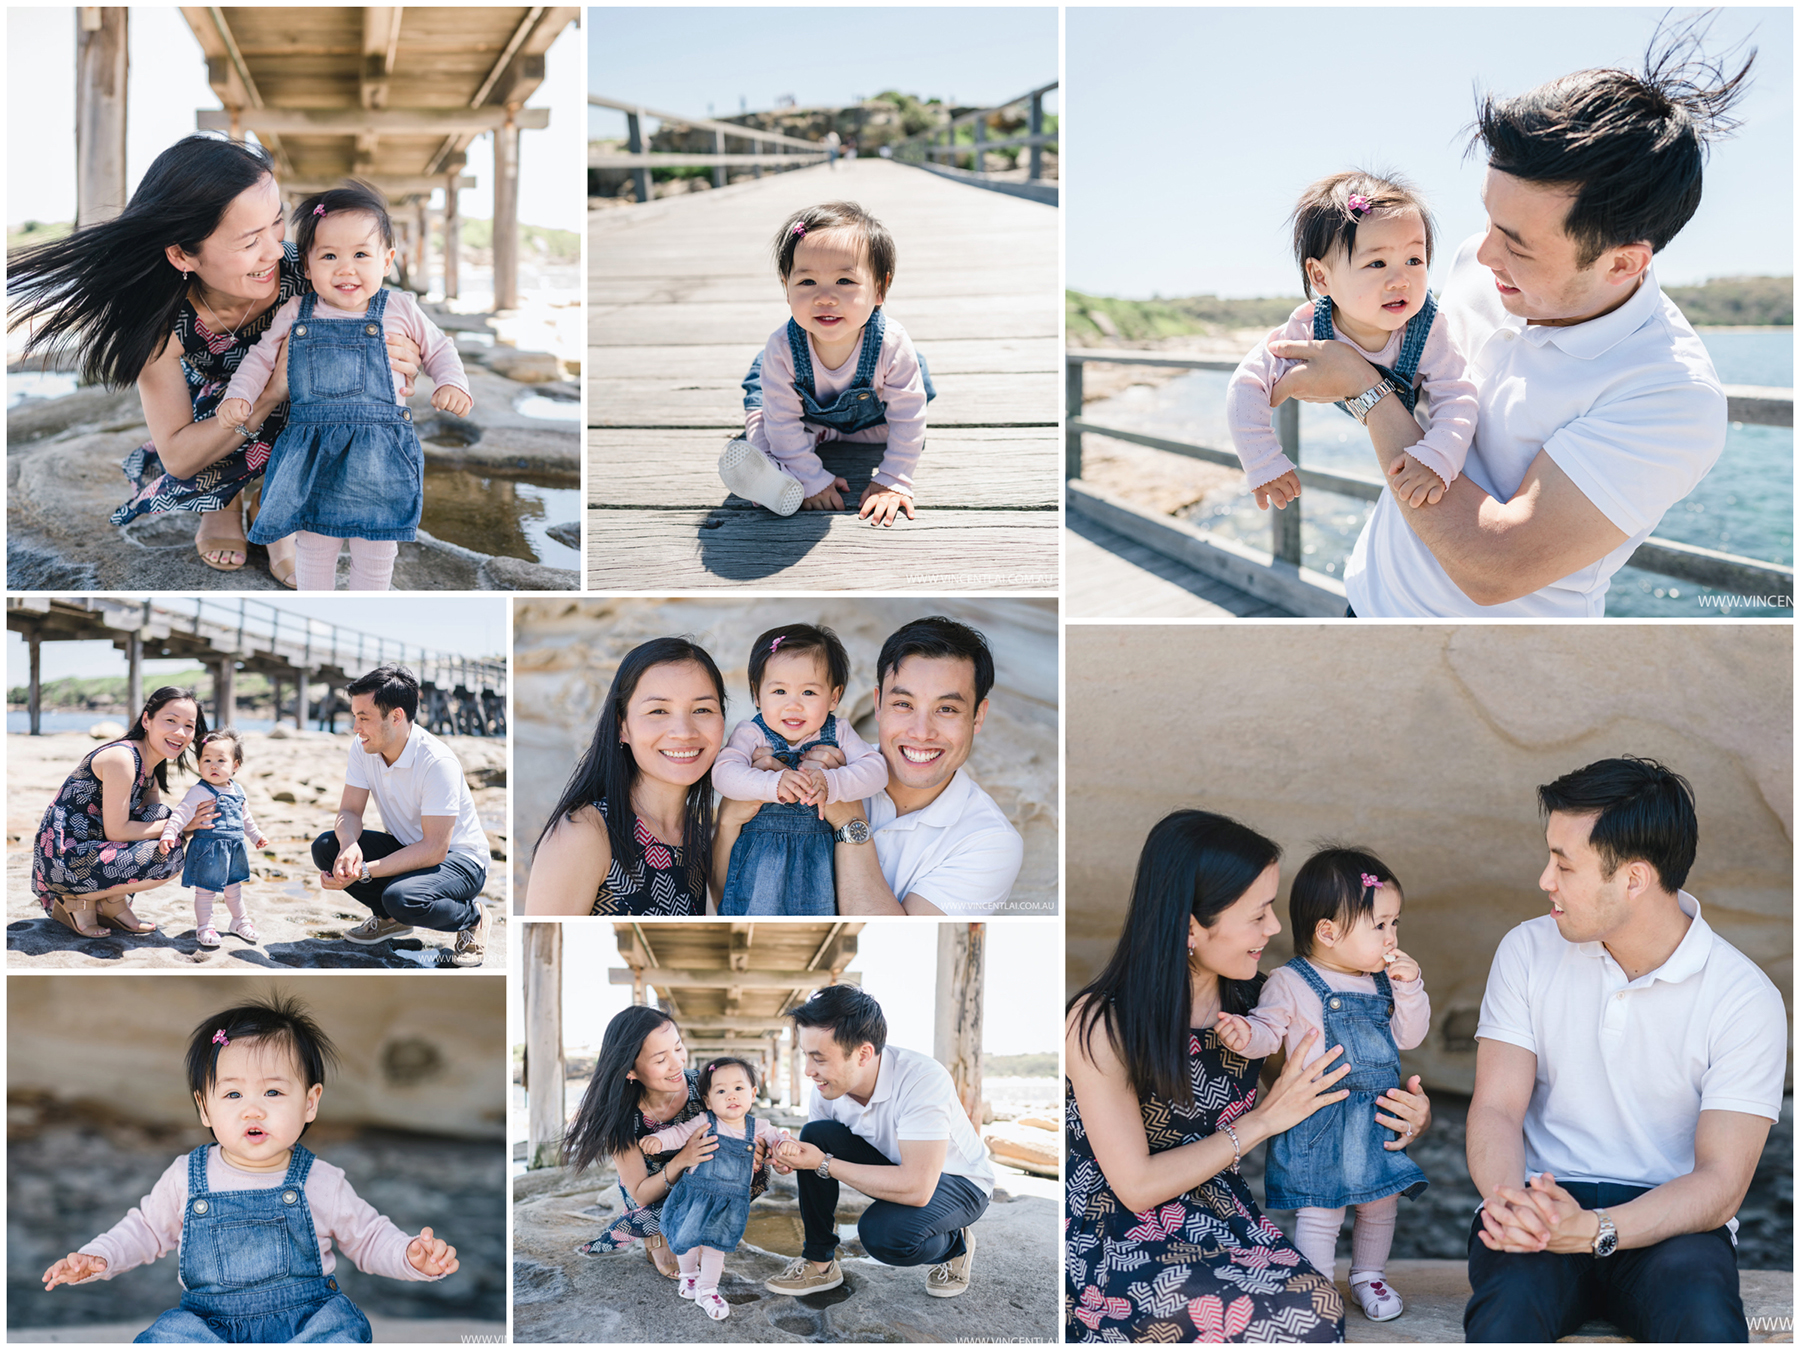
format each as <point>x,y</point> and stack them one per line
<point>824,1167</point>
<point>1606,1241</point>
<point>854,831</point>
<point>364,874</point>
<point>1359,406</point>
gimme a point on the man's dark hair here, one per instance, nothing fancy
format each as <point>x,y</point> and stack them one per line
<point>850,1015</point>
<point>1642,812</point>
<point>937,638</point>
<point>278,1021</point>
<point>800,637</point>
<point>392,687</point>
<point>1630,145</point>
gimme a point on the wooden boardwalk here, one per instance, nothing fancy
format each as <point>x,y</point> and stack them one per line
<point>1112,576</point>
<point>682,295</point>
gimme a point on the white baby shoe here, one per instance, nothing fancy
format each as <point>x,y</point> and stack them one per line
<point>1379,1302</point>
<point>757,478</point>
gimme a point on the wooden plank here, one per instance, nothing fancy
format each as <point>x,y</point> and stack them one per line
<point>961,357</point>
<point>941,551</point>
<point>985,468</point>
<point>1108,576</point>
<point>657,325</point>
<point>714,401</point>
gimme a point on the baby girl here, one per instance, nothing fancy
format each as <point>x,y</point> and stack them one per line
<point>1363,243</point>
<point>217,863</point>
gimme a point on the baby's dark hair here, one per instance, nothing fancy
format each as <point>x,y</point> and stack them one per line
<point>834,216</point>
<point>725,1061</point>
<point>226,734</point>
<point>1323,219</point>
<point>355,195</point>
<point>279,1020</point>
<point>800,637</point>
<point>1329,885</point>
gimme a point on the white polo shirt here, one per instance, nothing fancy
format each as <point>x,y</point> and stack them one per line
<point>1625,1067</point>
<point>425,780</point>
<point>914,1098</point>
<point>961,853</point>
<point>1628,405</point>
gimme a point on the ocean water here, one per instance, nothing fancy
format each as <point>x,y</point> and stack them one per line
<point>1744,506</point>
<point>18,721</point>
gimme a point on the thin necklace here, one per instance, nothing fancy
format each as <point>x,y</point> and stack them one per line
<point>220,322</point>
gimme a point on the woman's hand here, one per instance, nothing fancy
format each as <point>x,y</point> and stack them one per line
<point>1408,1113</point>
<point>275,392</point>
<point>825,756</point>
<point>405,358</point>
<point>1300,1091</point>
<point>699,1147</point>
<point>203,816</point>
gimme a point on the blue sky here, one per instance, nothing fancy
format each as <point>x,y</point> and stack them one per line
<point>1192,131</point>
<point>727,60</point>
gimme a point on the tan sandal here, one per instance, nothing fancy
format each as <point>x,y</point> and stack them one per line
<point>116,913</point>
<point>222,532</point>
<point>73,914</point>
<point>281,552</point>
<point>654,1243</point>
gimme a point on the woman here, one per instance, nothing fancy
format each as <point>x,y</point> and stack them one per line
<point>97,844</point>
<point>642,1084</point>
<point>633,831</point>
<point>170,294</point>
<point>1164,1241</point>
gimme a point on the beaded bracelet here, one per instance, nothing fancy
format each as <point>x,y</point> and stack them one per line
<point>1237,1150</point>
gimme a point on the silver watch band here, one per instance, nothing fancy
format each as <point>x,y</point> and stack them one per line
<point>1364,403</point>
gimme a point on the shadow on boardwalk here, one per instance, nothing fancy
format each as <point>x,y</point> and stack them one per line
<point>682,294</point>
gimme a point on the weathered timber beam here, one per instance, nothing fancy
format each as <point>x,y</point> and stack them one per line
<point>668,978</point>
<point>382,121</point>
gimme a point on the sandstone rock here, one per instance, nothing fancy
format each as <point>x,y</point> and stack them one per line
<point>106,731</point>
<point>567,533</point>
<point>1033,1150</point>
<point>524,367</point>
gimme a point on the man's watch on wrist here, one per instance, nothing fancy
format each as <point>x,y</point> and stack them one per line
<point>824,1167</point>
<point>364,874</point>
<point>1606,1241</point>
<point>853,831</point>
<point>1360,406</point>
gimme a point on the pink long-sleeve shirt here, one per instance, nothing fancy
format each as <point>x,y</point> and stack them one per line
<point>1289,1008</point>
<point>403,317</point>
<point>677,1135</point>
<point>153,1229</point>
<point>1443,375</point>
<point>195,798</point>
<point>863,774</point>
<point>778,430</point>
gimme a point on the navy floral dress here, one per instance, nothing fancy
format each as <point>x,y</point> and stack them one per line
<point>657,885</point>
<point>72,855</point>
<point>1205,1266</point>
<point>209,360</point>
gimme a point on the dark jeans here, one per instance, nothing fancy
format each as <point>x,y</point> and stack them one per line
<point>1349,613</point>
<point>440,898</point>
<point>1683,1289</point>
<point>894,1234</point>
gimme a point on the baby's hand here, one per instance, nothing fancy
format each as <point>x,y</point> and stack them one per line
<point>73,1268</point>
<point>825,756</point>
<point>1281,491</point>
<point>787,1150</point>
<point>882,505</point>
<point>430,1255</point>
<point>164,845</point>
<point>1413,483</point>
<point>451,400</point>
<point>816,787</point>
<point>831,499</point>
<point>234,410</point>
<point>1402,967</point>
<point>650,1144</point>
<point>793,787</point>
<point>262,841</point>
<point>1233,1032</point>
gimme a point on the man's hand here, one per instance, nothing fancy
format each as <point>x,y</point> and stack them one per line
<point>840,814</point>
<point>431,1255</point>
<point>74,1267</point>
<point>1279,492</point>
<point>1330,373</point>
<point>349,863</point>
<point>882,506</point>
<point>801,1156</point>
<point>1411,482</point>
<point>830,499</point>
<point>825,756</point>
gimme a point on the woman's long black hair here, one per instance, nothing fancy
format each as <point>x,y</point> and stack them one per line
<point>608,768</point>
<point>605,1123</point>
<point>1194,864</point>
<point>169,693</point>
<point>110,289</point>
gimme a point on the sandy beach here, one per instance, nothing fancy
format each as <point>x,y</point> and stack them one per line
<point>293,780</point>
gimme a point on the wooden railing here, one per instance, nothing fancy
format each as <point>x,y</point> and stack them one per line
<point>767,148</point>
<point>1684,562</point>
<point>925,148</point>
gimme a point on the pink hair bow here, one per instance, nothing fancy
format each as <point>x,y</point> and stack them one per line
<point>776,643</point>
<point>220,1038</point>
<point>319,210</point>
<point>799,228</point>
<point>1359,204</point>
<point>1372,882</point>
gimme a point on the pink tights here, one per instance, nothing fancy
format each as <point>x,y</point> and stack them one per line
<point>707,1263</point>
<point>203,903</point>
<point>316,555</point>
<point>1316,1234</point>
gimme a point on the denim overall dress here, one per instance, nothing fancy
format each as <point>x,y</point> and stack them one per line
<point>856,408</point>
<point>1412,346</point>
<point>349,465</point>
<point>1335,1156</point>
<point>710,1205</point>
<point>250,1268</point>
<point>782,862</point>
<point>216,856</point>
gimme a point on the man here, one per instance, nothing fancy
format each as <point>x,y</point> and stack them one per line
<point>1629,1063</point>
<point>1599,408</point>
<point>933,842</point>
<point>428,869</point>
<point>887,1122</point>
